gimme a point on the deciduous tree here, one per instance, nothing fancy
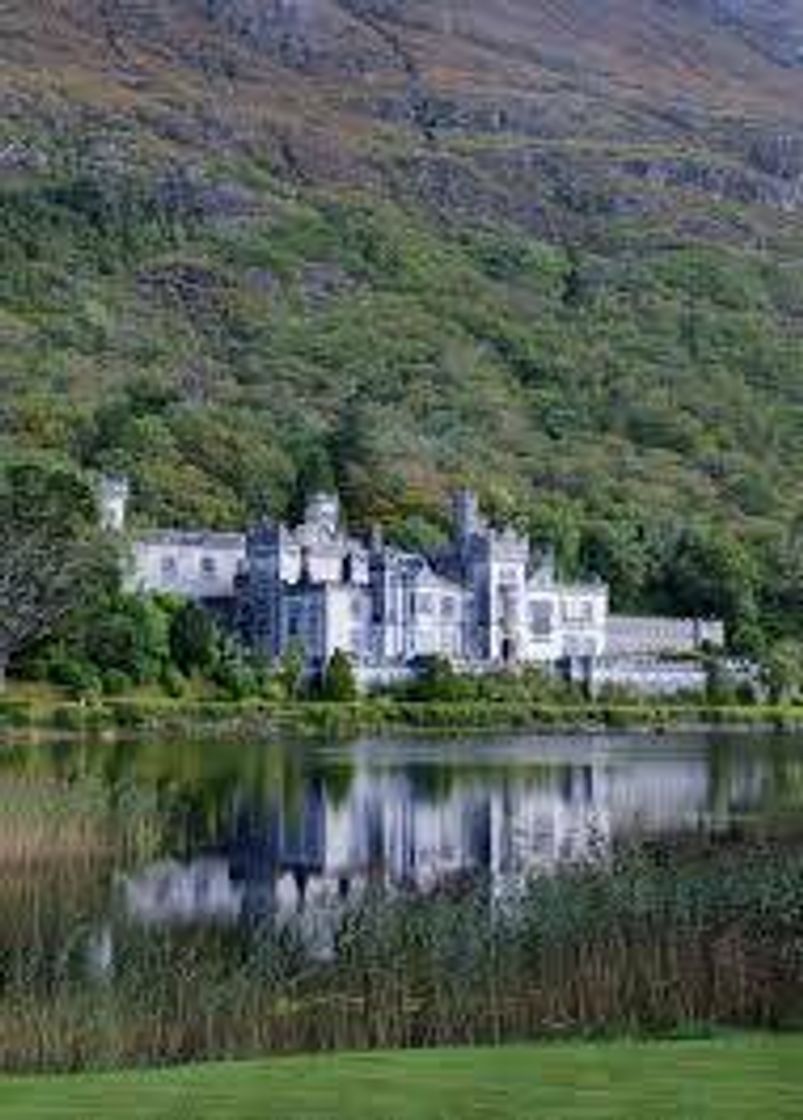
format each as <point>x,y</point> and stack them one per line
<point>52,553</point>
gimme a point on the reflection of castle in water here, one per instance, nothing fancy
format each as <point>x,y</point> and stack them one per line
<point>392,828</point>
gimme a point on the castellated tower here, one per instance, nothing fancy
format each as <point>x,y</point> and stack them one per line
<point>466,514</point>
<point>264,544</point>
<point>113,494</point>
<point>494,566</point>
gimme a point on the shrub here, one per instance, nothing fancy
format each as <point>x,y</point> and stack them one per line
<point>339,683</point>
<point>193,639</point>
<point>173,682</point>
<point>114,682</point>
<point>79,678</point>
<point>290,674</point>
<point>437,680</point>
<point>236,679</point>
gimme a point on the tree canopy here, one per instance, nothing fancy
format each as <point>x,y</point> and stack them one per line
<point>53,556</point>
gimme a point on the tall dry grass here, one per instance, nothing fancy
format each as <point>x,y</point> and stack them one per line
<point>663,941</point>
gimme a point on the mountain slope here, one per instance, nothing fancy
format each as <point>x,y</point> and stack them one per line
<point>551,249</point>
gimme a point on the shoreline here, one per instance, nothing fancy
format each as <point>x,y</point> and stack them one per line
<point>112,718</point>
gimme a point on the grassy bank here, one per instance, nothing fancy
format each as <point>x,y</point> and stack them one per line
<point>150,714</point>
<point>724,1079</point>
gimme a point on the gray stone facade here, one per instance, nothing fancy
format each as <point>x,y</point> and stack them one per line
<point>483,602</point>
<point>486,601</point>
<point>200,565</point>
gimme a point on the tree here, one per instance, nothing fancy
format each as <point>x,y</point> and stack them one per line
<point>315,476</point>
<point>339,683</point>
<point>436,680</point>
<point>127,634</point>
<point>719,688</point>
<point>53,556</point>
<point>356,460</point>
<point>291,670</point>
<point>193,639</point>
<point>782,671</point>
<point>711,574</point>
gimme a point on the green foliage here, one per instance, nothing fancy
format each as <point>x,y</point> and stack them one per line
<point>234,673</point>
<point>712,575</point>
<point>783,671</point>
<point>339,683</point>
<point>719,687</point>
<point>193,639</point>
<point>436,679</point>
<point>129,634</point>
<point>53,558</point>
<point>117,638</point>
<point>290,671</point>
<point>77,677</point>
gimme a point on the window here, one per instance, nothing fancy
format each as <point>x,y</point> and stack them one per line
<point>423,603</point>
<point>208,567</point>
<point>169,567</point>
<point>541,614</point>
<point>356,607</point>
<point>448,606</point>
<point>578,612</point>
<point>508,605</point>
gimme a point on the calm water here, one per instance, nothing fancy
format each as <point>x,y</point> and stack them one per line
<point>173,902</point>
<point>168,835</point>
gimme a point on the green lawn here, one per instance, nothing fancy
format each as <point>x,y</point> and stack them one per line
<point>726,1079</point>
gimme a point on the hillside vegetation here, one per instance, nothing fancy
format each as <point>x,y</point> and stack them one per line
<point>554,251</point>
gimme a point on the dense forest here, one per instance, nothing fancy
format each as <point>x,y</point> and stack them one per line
<point>252,249</point>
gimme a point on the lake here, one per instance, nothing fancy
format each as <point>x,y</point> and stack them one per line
<point>245,866</point>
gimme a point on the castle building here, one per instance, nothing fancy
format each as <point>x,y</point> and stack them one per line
<point>486,601</point>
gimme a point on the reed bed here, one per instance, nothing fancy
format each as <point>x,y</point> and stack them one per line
<point>662,941</point>
<point>47,821</point>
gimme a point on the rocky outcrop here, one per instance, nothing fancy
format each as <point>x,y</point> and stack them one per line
<point>720,182</point>
<point>779,154</point>
<point>307,35</point>
<point>774,28</point>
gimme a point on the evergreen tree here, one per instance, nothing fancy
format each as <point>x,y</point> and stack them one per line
<point>193,639</point>
<point>339,683</point>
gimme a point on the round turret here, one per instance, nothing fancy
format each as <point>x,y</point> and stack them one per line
<point>113,494</point>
